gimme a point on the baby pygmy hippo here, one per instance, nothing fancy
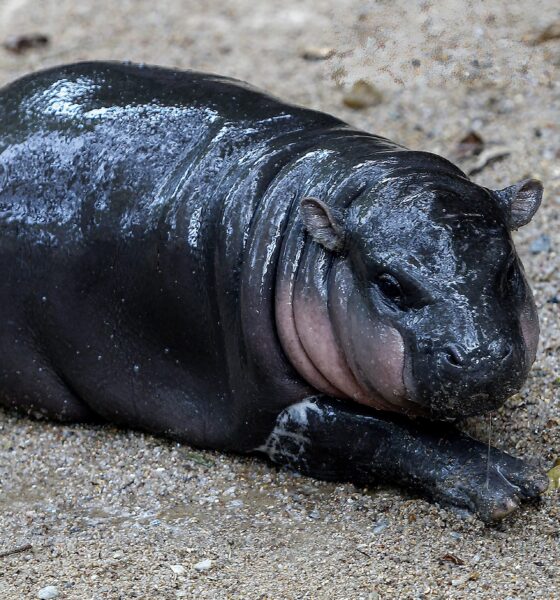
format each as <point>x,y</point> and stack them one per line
<point>183,254</point>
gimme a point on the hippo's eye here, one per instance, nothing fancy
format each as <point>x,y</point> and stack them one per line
<point>511,282</point>
<point>512,278</point>
<point>390,288</point>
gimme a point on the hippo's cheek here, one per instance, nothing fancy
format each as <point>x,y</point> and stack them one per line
<point>378,354</point>
<point>384,363</point>
<point>530,330</point>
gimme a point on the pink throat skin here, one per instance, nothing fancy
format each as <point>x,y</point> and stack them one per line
<point>308,339</point>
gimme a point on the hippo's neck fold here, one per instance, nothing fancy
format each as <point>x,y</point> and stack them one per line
<point>307,334</point>
<point>302,297</point>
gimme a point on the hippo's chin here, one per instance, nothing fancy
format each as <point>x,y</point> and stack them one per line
<point>457,408</point>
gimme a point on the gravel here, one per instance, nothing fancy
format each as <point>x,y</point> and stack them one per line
<point>105,513</point>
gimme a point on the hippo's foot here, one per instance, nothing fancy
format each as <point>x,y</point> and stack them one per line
<point>331,440</point>
<point>487,482</point>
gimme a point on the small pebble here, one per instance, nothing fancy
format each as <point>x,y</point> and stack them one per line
<point>47,593</point>
<point>178,569</point>
<point>203,565</point>
<point>380,526</point>
<point>542,244</point>
<point>318,53</point>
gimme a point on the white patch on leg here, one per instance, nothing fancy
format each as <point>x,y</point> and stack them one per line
<point>298,412</point>
<point>288,438</point>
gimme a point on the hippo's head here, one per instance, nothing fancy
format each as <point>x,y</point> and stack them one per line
<point>424,305</point>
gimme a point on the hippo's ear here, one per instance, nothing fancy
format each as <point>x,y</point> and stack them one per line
<point>324,224</point>
<point>521,201</point>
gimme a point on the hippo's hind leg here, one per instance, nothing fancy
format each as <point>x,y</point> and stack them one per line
<point>30,383</point>
<point>331,440</point>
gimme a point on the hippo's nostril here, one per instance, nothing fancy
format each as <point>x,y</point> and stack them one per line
<point>506,352</point>
<point>500,350</point>
<point>453,355</point>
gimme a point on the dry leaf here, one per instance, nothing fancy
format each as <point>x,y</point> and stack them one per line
<point>452,559</point>
<point>552,32</point>
<point>18,44</point>
<point>362,95</point>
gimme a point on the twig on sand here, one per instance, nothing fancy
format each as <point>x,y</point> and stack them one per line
<point>16,550</point>
<point>487,157</point>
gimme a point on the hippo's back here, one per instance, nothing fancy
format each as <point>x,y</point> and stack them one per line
<point>117,129</point>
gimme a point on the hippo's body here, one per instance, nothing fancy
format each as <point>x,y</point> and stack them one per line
<point>184,254</point>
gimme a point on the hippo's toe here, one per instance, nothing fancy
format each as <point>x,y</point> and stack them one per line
<point>495,489</point>
<point>530,481</point>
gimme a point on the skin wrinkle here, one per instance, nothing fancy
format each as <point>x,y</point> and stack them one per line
<point>292,344</point>
<point>293,248</point>
<point>315,331</point>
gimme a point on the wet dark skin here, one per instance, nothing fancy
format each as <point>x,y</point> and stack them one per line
<point>186,255</point>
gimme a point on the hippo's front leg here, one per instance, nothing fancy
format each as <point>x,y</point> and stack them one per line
<point>330,440</point>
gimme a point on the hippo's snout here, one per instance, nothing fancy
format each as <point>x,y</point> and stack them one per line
<point>454,382</point>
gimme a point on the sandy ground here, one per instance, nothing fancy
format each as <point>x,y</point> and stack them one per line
<point>115,514</point>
